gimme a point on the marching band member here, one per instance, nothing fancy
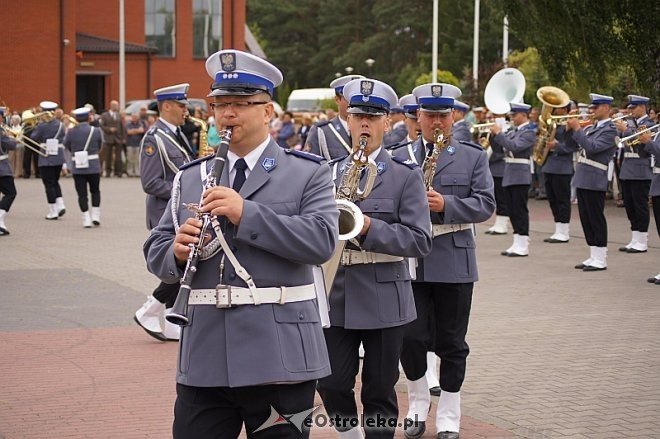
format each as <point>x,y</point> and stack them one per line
<point>361,310</point>
<point>461,194</point>
<point>331,138</point>
<point>558,172</point>
<point>591,180</point>
<point>652,146</point>
<point>461,130</point>
<point>259,347</point>
<point>50,134</point>
<point>635,176</point>
<point>7,187</point>
<point>517,145</point>
<point>84,142</point>
<point>398,132</point>
<point>496,164</point>
<point>162,151</point>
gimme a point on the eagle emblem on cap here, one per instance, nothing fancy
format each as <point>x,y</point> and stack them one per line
<point>436,90</point>
<point>366,87</point>
<point>228,62</point>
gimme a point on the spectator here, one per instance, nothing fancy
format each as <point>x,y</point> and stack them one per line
<point>305,127</point>
<point>286,137</point>
<point>135,130</point>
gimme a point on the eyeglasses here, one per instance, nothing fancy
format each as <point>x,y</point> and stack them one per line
<point>236,106</point>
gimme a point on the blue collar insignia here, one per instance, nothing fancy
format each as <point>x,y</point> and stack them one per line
<point>268,164</point>
<point>451,150</point>
<point>381,167</point>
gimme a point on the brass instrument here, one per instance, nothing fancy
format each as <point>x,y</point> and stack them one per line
<point>204,148</point>
<point>550,97</point>
<point>351,219</point>
<point>440,142</point>
<point>481,127</point>
<point>633,139</point>
<point>20,135</point>
<point>72,120</point>
<point>31,119</point>
<point>481,134</point>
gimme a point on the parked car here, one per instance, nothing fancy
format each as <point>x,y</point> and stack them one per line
<point>308,100</point>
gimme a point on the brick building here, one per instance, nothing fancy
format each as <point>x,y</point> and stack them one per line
<point>68,50</point>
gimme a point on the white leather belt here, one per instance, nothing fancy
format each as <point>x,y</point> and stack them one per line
<point>355,257</point>
<point>443,229</point>
<point>4,157</point>
<point>630,155</point>
<point>593,163</point>
<point>93,157</point>
<point>517,161</point>
<point>226,296</point>
<point>656,170</point>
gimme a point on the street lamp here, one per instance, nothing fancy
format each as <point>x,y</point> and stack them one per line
<point>337,74</point>
<point>370,63</point>
<point>349,69</point>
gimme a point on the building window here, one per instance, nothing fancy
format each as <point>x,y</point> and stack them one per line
<point>207,23</point>
<point>160,26</point>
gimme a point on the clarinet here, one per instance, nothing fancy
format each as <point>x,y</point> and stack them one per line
<point>179,313</point>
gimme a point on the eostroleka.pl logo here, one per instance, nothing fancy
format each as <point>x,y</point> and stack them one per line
<point>295,419</point>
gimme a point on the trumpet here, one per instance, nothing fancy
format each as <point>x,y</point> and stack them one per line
<point>481,127</point>
<point>585,119</point>
<point>633,139</point>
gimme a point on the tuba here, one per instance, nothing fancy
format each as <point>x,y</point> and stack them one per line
<point>550,97</point>
<point>351,219</point>
<point>505,86</point>
<point>204,148</point>
<point>440,142</point>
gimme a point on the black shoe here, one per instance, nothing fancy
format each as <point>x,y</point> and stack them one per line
<point>657,281</point>
<point>3,231</point>
<point>623,249</point>
<point>504,253</point>
<point>555,241</point>
<point>651,280</point>
<point>412,429</point>
<point>488,232</point>
<point>497,233</point>
<point>435,391</point>
<point>592,268</point>
<point>580,266</point>
<point>448,435</point>
<point>516,255</point>
<point>61,212</point>
<point>157,335</point>
<point>634,250</point>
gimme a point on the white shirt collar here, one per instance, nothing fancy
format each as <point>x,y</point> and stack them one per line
<point>522,125</point>
<point>250,158</point>
<point>343,123</point>
<point>460,121</point>
<point>374,154</point>
<point>172,127</point>
<point>602,122</point>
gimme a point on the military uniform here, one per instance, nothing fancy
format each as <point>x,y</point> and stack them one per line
<point>396,135</point>
<point>558,171</point>
<point>461,131</point>
<point>84,142</point>
<point>496,165</point>
<point>653,147</point>
<point>329,139</point>
<point>7,187</point>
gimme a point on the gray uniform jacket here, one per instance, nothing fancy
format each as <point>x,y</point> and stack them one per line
<point>53,129</point>
<point>375,296</point>
<point>517,144</point>
<point>461,132</point>
<point>464,180</point>
<point>395,135</point>
<point>560,159</point>
<point>6,144</point>
<point>496,160</point>
<point>636,168</point>
<point>597,144</point>
<point>75,141</point>
<point>653,147</point>
<point>329,139</point>
<point>289,224</point>
<point>160,159</point>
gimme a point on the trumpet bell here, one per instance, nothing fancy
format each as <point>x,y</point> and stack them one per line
<point>553,96</point>
<point>351,219</point>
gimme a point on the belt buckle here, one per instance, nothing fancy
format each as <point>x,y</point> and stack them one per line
<point>223,296</point>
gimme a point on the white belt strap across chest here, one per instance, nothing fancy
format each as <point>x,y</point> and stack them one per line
<point>443,229</point>
<point>592,163</point>
<point>630,155</point>
<point>656,170</point>
<point>517,161</point>
<point>4,157</point>
<point>357,257</point>
<point>226,296</point>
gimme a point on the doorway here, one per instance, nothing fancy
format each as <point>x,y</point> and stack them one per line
<point>90,89</point>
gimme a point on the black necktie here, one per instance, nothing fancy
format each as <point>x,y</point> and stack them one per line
<point>429,148</point>
<point>239,178</point>
<point>179,138</point>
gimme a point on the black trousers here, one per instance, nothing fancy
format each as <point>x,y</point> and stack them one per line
<point>501,209</point>
<point>8,191</point>
<point>220,412</point>
<point>636,195</point>
<point>166,293</point>
<point>591,206</point>
<point>30,159</point>
<point>450,305</point>
<point>112,159</point>
<point>516,199</point>
<point>380,372</point>
<point>50,175</point>
<point>656,212</point>
<point>81,181</point>
<point>558,190</point>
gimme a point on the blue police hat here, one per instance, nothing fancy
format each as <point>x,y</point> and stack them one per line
<point>178,93</point>
<point>634,100</point>
<point>597,99</point>
<point>396,109</point>
<point>461,106</point>
<point>409,104</point>
<point>519,107</point>
<point>436,97</point>
<point>237,73</point>
<point>81,114</point>
<point>339,83</point>
<point>369,96</point>
<point>48,105</point>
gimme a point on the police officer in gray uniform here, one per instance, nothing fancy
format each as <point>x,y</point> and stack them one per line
<point>461,194</point>
<point>7,187</point>
<point>84,142</point>
<point>330,138</point>
<point>635,176</point>
<point>461,130</point>
<point>651,146</point>
<point>254,347</point>
<point>517,145</point>
<point>496,164</point>
<point>371,298</point>
<point>50,135</point>
<point>398,132</point>
<point>591,178</point>
<point>163,151</point>
<point>558,172</point>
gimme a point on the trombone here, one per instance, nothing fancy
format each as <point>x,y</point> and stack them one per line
<point>633,139</point>
<point>21,138</point>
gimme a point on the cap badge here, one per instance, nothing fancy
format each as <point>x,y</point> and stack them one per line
<point>228,62</point>
<point>436,91</point>
<point>366,87</point>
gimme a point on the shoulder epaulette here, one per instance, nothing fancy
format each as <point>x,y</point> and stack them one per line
<point>338,159</point>
<point>398,145</point>
<point>322,123</point>
<point>305,155</point>
<point>407,162</point>
<point>194,162</point>
<point>472,144</point>
<point>152,130</point>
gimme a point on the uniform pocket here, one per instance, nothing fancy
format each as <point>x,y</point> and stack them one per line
<point>300,335</point>
<point>394,291</point>
<point>457,182</point>
<point>464,246</point>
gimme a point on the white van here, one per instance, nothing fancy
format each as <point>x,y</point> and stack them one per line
<point>308,99</point>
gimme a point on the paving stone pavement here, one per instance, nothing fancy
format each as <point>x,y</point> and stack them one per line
<point>555,352</point>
